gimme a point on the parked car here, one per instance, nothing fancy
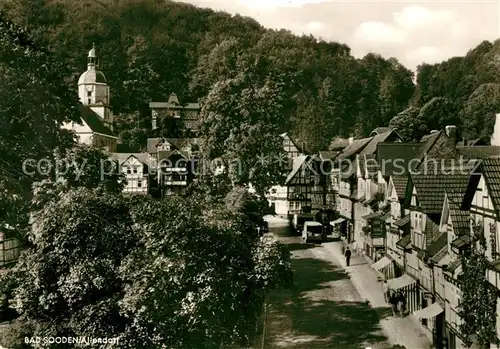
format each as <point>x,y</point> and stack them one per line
<point>313,231</point>
<point>300,219</point>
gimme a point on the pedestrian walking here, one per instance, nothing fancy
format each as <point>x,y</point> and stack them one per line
<point>401,303</point>
<point>347,256</point>
<point>393,299</point>
<point>385,287</point>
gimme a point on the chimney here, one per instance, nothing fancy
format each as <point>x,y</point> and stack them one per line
<point>451,133</point>
<point>351,139</point>
<point>495,137</point>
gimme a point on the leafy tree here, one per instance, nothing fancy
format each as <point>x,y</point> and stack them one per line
<point>409,125</point>
<point>241,120</point>
<point>479,299</point>
<point>30,118</point>
<point>67,280</point>
<point>478,114</point>
<point>220,63</point>
<point>135,139</point>
<point>438,113</point>
<point>151,273</point>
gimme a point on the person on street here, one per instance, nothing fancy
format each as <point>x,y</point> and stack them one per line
<point>385,287</point>
<point>393,299</point>
<point>347,256</point>
<point>401,303</point>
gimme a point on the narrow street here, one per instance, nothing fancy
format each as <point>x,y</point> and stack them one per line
<point>323,309</point>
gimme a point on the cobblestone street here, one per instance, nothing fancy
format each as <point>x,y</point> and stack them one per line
<point>323,309</point>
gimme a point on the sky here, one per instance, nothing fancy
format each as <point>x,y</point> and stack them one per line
<point>412,32</point>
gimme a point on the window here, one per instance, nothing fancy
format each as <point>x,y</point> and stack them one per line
<point>128,170</point>
<point>135,170</point>
<point>139,183</point>
<point>89,101</point>
<point>89,93</point>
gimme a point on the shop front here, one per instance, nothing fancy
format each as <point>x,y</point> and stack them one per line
<point>409,287</point>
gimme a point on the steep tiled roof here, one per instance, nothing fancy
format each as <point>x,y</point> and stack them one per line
<point>354,148</point>
<point>400,183</point>
<point>431,188</point>
<point>167,154</point>
<point>380,130</point>
<point>437,244</point>
<point>460,219</point>
<point>490,169</point>
<point>94,121</point>
<point>327,155</point>
<point>431,137</point>
<point>479,151</point>
<point>122,157</point>
<point>428,142</point>
<point>394,158</point>
<point>338,143</point>
<point>431,231</point>
<point>371,147</point>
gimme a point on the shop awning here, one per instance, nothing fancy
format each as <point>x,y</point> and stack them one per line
<point>381,263</point>
<point>400,282</point>
<point>431,311</point>
<point>337,221</point>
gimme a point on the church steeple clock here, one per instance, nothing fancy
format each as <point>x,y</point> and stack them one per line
<point>93,90</point>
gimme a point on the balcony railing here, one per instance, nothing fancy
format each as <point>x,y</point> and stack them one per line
<point>175,182</point>
<point>174,169</point>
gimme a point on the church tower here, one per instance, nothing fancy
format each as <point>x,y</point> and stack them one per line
<point>93,90</point>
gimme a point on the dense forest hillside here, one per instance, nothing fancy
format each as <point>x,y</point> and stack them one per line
<point>148,49</point>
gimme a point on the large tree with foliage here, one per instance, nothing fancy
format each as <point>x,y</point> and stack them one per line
<point>439,112</point>
<point>478,114</point>
<point>242,118</point>
<point>479,298</point>
<point>30,118</point>
<point>182,273</point>
<point>409,124</point>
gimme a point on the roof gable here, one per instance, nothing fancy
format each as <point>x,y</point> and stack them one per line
<point>354,148</point>
<point>432,188</point>
<point>94,122</point>
<point>298,164</point>
<point>125,158</point>
<point>479,152</point>
<point>400,185</point>
<point>397,157</point>
<point>490,169</point>
<point>371,147</point>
